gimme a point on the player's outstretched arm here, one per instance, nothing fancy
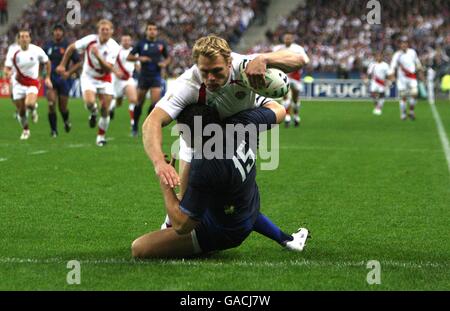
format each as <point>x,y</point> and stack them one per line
<point>279,110</point>
<point>284,60</point>
<point>48,70</point>
<point>181,222</point>
<point>66,58</point>
<point>152,139</point>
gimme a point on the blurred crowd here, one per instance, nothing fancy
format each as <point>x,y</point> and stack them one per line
<point>180,22</point>
<point>338,38</point>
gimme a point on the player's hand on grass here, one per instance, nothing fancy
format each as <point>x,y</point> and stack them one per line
<point>167,174</point>
<point>256,71</point>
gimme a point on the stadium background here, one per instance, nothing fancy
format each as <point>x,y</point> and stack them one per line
<point>371,189</point>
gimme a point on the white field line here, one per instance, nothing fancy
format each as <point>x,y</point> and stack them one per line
<point>38,152</point>
<point>3,159</point>
<point>233,263</point>
<point>441,131</point>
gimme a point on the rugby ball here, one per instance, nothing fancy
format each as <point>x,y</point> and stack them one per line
<point>277,82</point>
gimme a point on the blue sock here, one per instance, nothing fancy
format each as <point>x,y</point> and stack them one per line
<point>266,227</point>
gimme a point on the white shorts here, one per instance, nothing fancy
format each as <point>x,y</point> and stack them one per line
<point>20,91</point>
<point>407,86</point>
<point>295,84</point>
<point>98,86</point>
<point>119,86</point>
<point>376,87</point>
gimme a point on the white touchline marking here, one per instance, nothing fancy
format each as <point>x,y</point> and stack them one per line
<point>3,159</point>
<point>77,145</point>
<point>441,130</point>
<point>239,263</point>
<point>38,152</point>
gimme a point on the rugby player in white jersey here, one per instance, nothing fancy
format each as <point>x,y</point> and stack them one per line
<point>214,80</point>
<point>96,79</point>
<point>378,72</point>
<point>26,61</point>
<point>407,64</point>
<point>123,81</point>
<point>292,102</point>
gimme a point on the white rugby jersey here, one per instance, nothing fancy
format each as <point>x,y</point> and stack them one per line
<point>296,49</point>
<point>27,61</point>
<point>230,99</point>
<point>407,63</point>
<point>123,64</point>
<point>108,51</point>
<point>378,72</point>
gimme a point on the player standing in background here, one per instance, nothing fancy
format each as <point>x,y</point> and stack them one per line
<point>55,50</point>
<point>378,72</point>
<point>96,79</point>
<point>292,103</point>
<point>26,61</point>
<point>11,50</point>
<point>408,66</point>
<point>123,81</point>
<point>153,55</point>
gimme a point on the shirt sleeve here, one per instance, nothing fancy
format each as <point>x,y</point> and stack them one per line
<point>394,64</point>
<point>84,42</point>
<point>185,93</point>
<point>43,57</point>
<point>9,59</point>
<point>165,51</point>
<point>370,69</point>
<point>136,49</point>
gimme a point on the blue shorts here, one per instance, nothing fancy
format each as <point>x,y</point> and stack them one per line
<point>60,85</point>
<point>146,82</point>
<point>212,236</point>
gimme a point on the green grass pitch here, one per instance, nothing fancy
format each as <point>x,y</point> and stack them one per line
<point>368,188</point>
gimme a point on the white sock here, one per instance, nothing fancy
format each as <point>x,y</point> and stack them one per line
<point>112,106</point>
<point>131,107</point>
<point>380,103</point>
<point>402,106</point>
<point>287,119</point>
<point>103,125</point>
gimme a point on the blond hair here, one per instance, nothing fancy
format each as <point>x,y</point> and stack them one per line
<point>105,22</point>
<point>211,46</point>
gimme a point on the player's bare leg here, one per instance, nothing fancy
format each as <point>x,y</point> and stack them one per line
<point>63,102</point>
<point>165,243</point>
<point>412,105</point>
<point>131,93</point>
<point>103,122</point>
<point>296,105</point>
<point>403,114</point>
<point>155,96</point>
<point>183,171</point>
<point>141,93</point>
<point>52,118</point>
<point>89,98</point>
<point>286,102</point>
<point>31,105</point>
<point>23,120</point>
